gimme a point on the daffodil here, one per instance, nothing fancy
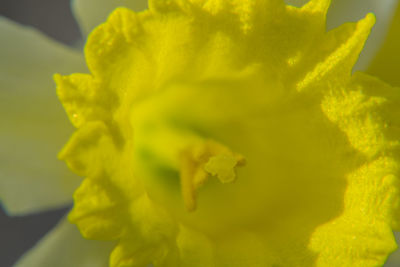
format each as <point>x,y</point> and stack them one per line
<point>229,133</point>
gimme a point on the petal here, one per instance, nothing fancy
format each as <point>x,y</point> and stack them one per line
<point>394,258</point>
<point>90,13</point>
<point>342,11</point>
<point>345,10</point>
<point>64,247</point>
<point>34,125</point>
<point>386,64</point>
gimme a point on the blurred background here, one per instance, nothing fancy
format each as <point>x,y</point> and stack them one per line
<point>53,18</point>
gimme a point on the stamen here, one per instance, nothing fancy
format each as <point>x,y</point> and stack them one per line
<point>201,161</point>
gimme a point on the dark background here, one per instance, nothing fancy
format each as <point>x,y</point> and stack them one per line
<point>54,18</point>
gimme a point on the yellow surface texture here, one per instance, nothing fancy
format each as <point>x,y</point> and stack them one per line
<point>233,133</point>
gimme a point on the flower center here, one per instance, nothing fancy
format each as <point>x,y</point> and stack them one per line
<point>194,157</point>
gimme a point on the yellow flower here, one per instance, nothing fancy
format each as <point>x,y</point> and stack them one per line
<point>210,117</point>
<point>217,133</point>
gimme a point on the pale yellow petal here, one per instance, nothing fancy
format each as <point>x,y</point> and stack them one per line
<point>352,10</point>
<point>394,258</point>
<point>65,247</point>
<point>33,124</point>
<point>342,11</point>
<point>90,13</point>
<point>386,64</point>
